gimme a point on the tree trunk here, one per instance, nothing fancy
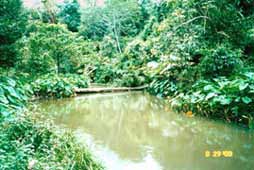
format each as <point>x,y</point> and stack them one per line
<point>116,34</point>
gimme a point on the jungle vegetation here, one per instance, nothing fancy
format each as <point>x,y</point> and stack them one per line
<point>197,54</point>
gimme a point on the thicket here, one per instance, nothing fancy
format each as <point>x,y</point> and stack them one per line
<point>70,15</point>
<point>180,44</point>
<point>49,48</point>
<point>225,98</point>
<point>13,21</point>
<point>202,41</point>
<point>58,85</point>
<point>29,142</point>
<point>117,19</point>
<point>28,54</point>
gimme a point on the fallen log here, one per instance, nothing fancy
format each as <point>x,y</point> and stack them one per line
<point>108,89</point>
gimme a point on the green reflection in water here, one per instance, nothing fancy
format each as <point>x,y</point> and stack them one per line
<point>136,131</point>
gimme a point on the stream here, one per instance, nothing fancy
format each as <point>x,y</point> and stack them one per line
<point>137,131</point>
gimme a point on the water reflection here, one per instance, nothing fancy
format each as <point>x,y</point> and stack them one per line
<point>136,131</point>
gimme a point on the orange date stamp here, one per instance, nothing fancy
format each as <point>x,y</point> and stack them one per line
<point>218,154</point>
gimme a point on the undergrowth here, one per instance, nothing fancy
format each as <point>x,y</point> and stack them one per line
<point>30,141</point>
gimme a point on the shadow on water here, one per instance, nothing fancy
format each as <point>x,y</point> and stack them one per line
<point>136,131</point>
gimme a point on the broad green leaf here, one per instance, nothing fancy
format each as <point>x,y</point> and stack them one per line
<point>4,110</point>
<point>3,99</point>
<point>243,86</point>
<point>249,75</point>
<point>12,92</point>
<point>210,95</point>
<point>1,91</point>
<point>208,87</point>
<point>251,86</point>
<point>11,82</point>
<point>15,101</point>
<point>224,100</point>
<point>5,113</point>
<point>246,100</point>
<point>235,110</point>
<point>237,99</point>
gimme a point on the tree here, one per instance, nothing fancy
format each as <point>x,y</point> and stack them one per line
<point>70,15</point>
<point>124,18</point>
<point>51,48</point>
<point>116,19</point>
<point>49,15</point>
<point>92,25</point>
<point>12,25</point>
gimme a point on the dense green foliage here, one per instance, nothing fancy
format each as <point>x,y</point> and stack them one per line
<point>171,45</point>
<point>12,26</point>
<point>70,15</point>
<point>198,53</point>
<point>12,96</point>
<point>197,41</point>
<point>115,21</point>
<point>29,143</point>
<point>27,140</point>
<point>50,48</point>
<point>230,99</point>
<point>221,61</point>
<point>117,18</point>
<point>58,85</point>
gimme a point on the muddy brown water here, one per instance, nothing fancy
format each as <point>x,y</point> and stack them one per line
<point>137,131</point>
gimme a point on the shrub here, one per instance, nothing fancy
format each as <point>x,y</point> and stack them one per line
<point>92,27</point>
<point>163,87</point>
<point>115,72</point>
<point>108,47</point>
<point>50,47</point>
<point>29,143</point>
<point>230,99</point>
<point>104,73</point>
<point>221,61</point>
<point>59,86</point>
<point>130,78</point>
<point>13,96</point>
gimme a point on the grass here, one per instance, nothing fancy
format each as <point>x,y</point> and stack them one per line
<point>30,142</point>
